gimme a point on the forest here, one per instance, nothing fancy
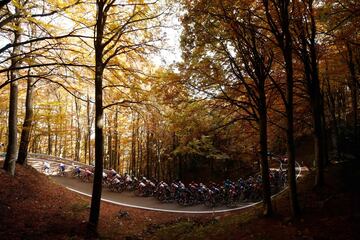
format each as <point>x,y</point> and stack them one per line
<point>193,90</point>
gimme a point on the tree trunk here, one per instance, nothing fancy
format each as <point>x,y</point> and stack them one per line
<point>56,144</point>
<point>313,87</point>
<point>116,139</point>
<point>325,134</point>
<point>280,28</point>
<point>133,147</point>
<point>78,131</point>
<point>180,170</point>
<point>71,145</point>
<point>33,139</point>
<point>290,146</point>
<point>88,128</point>
<point>138,147</point>
<point>27,125</point>
<point>99,136</point>
<point>119,163</point>
<point>99,147</point>
<point>268,211</point>
<point>60,140</point>
<point>109,155</point>
<point>285,42</point>
<point>49,145</point>
<point>85,146</point>
<point>64,150</point>
<point>1,138</point>
<point>10,159</point>
<point>148,152</point>
<point>318,107</point>
<point>354,93</point>
<point>158,159</point>
<point>140,157</point>
<point>332,109</point>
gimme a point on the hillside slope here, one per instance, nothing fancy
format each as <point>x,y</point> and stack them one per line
<point>32,206</point>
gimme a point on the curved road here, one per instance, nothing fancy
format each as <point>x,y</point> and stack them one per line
<point>130,200</point>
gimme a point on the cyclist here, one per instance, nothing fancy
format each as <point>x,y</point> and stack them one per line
<point>77,171</point>
<point>227,185</point>
<point>128,178</point>
<point>112,173</point>
<point>87,174</point>
<point>62,169</point>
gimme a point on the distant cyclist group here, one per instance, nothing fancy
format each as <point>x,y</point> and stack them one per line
<point>229,193</point>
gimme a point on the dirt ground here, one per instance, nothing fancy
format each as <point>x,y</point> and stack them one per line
<point>32,206</point>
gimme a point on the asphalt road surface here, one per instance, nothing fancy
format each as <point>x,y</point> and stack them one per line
<point>128,198</point>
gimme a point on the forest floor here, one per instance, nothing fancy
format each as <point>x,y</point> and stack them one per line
<point>32,206</point>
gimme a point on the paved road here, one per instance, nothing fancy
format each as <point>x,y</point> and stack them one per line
<point>128,198</point>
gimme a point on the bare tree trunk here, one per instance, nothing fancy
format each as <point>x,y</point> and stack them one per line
<point>60,140</point>
<point>148,169</point>
<point>89,128</point>
<point>119,163</point>
<point>71,144</point>
<point>78,131</point>
<point>85,146</point>
<point>295,208</point>
<point>353,85</point>
<point>138,147</point>
<point>27,125</point>
<point>158,159</point>
<point>313,87</point>
<point>279,25</point>
<point>32,143</point>
<point>109,155</point>
<point>56,144</point>
<point>10,159</point>
<point>317,105</point>
<point>116,139</point>
<point>334,123</point>
<point>133,147</point>
<point>180,171</point>
<point>99,121</point>
<point>1,137</point>
<point>264,151</point>
<point>64,150</point>
<point>49,145</point>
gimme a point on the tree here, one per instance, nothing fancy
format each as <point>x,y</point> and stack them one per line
<point>28,122</point>
<point>278,20</point>
<point>306,46</point>
<point>34,56</point>
<point>115,38</point>
<point>341,24</point>
<point>11,151</point>
<point>242,59</point>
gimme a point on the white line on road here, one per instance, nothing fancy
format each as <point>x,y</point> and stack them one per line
<point>165,210</point>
